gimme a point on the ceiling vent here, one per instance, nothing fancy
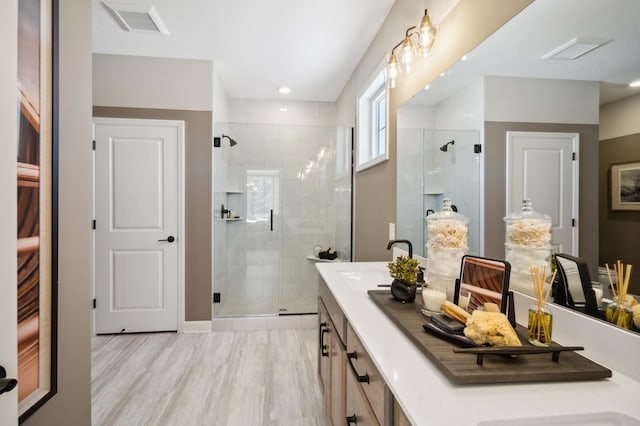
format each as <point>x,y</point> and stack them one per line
<point>136,18</point>
<point>575,48</point>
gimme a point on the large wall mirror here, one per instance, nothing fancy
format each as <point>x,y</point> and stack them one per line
<point>523,79</point>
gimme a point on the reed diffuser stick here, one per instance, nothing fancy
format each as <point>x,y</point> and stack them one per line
<point>539,327</point>
<point>619,313</point>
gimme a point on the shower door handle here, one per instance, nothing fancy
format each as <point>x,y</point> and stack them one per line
<point>271,220</point>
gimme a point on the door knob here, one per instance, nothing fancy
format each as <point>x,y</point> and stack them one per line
<point>6,385</point>
<point>170,239</point>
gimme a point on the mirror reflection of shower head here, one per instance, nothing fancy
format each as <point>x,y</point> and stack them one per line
<point>232,142</point>
<point>445,147</point>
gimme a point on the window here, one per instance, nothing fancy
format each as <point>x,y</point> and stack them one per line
<point>372,127</point>
<point>263,193</point>
<point>379,123</point>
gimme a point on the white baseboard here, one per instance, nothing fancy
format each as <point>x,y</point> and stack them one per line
<point>196,327</point>
<point>265,323</point>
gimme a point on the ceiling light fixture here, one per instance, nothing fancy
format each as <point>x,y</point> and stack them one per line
<point>284,90</point>
<point>425,35</point>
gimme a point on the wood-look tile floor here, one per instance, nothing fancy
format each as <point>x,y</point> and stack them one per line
<point>257,377</point>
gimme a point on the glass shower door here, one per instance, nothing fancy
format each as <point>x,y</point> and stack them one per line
<point>262,241</point>
<point>284,184</point>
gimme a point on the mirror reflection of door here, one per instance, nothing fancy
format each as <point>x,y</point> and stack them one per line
<point>541,167</point>
<point>262,239</point>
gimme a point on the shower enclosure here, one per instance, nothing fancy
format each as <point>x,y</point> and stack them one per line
<point>278,192</point>
<point>431,168</point>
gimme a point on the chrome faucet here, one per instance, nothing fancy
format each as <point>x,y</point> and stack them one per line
<point>407,242</point>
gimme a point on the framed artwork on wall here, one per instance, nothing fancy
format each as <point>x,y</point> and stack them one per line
<point>625,186</point>
<point>36,152</point>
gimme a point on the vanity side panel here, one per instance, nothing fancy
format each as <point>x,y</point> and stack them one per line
<point>335,313</point>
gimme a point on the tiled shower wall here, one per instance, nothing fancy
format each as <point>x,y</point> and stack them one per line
<point>259,271</point>
<point>426,176</point>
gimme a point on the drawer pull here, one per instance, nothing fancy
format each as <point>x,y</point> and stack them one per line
<point>323,347</point>
<point>363,379</point>
<point>352,420</point>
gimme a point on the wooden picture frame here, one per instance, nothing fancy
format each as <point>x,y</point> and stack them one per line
<point>625,186</point>
<point>36,152</point>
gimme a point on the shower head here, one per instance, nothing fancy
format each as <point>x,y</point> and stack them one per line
<point>232,142</point>
<point>217,141</point>
<point>445,147</point>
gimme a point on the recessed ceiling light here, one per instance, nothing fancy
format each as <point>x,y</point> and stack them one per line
<point>635,83</point>
<point>284,90</point>
<point>283,109</point>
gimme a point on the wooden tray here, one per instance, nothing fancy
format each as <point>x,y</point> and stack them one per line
<point>462,368</point>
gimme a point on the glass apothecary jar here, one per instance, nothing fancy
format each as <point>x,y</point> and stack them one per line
<point>527,243</point>
<point>447,234</point>
<point>540,325</point>
<point>447,229</point>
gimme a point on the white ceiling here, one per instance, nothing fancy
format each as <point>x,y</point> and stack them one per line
<point>256,45</point>
<point>516,48</point>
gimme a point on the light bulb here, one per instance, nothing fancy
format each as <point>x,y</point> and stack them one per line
<point>393,70</point>
<point>427,35</point>
<point>407,54</point>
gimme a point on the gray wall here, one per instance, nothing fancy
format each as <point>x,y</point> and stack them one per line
<point>71,406</point>
<point>619,230</point>
<point>495,184</point>
<point>198,165</point>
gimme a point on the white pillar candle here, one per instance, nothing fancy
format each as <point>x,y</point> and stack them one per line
<point>433,299</point>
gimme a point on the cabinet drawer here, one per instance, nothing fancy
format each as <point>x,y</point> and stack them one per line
<point>337,317</point>
<point>370,380</point>
<point>358,409</point>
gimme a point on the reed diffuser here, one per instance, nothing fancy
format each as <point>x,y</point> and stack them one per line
<point>619,312</point>
<point>540,318</point>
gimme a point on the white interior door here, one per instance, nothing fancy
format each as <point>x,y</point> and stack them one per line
<point>139,235</point>
<point>543,167</point>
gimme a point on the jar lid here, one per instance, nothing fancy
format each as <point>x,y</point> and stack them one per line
<point>447,213</point>
<point>527,213</point>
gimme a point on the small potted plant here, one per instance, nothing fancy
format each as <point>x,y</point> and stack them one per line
<point>404,271</point>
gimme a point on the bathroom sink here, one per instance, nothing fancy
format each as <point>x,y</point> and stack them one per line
<point>368,276</point>
<point>589,419</point>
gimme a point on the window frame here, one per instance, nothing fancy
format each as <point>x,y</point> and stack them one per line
<point>370,149</point>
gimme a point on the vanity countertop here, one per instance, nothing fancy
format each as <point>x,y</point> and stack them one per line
<point>427,396</point>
